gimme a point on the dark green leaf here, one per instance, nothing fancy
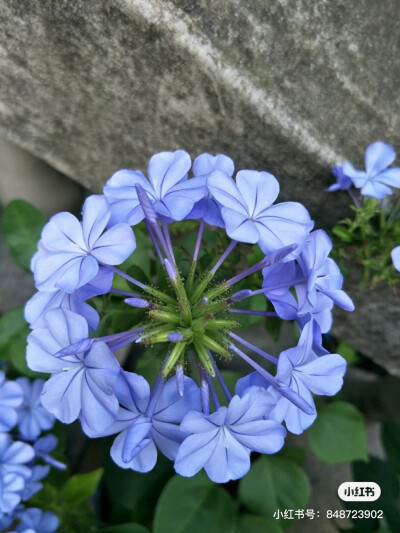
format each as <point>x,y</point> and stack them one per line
<point>11,323</point>
<point>391,442</point>
<point>194,505</point>
<point>22,225</point>
<point>338,434</point>
<point>132,496</point>
<point>249,523</point>
<point>125,528</point>
<point>81,486</point>
<point>274,483</point>
<point>348,352</point>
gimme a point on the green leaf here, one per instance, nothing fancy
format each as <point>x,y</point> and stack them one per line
<point>11,323</point>
<point>125,528</point>
<point>22,225</point>
<point>132,496</point>
<point>274,483</point>
<point>382,473</point>
<point>390,433</point>
<point>348,352</point>
<point>249,523</point>
<point>338,434</point>
<point>81,486</point>
<point>194,505</point>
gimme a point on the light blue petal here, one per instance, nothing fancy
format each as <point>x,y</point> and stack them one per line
<point>168,437</point>
<point>166,169</point>
<point>95,215</point>
<point>63,233</point>
<point>62,394</point>
<point>262,436</point>
<point>396,257</point>
<point>378,156</point>
<point>239,227</point>
<point>204,164</point>
<point>171,407</point>
<point>115,245</point>
<point>258,189</point>
<point>195,451</point>
<point>225,191</point>
<point>358,177</point>
<point>323,375</point>
<point>230,460</point>
<point>143,462</point>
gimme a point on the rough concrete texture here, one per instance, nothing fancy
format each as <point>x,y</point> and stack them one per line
<point>374,327</point>
<point>290,87</point>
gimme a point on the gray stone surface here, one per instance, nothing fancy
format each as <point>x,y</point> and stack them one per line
<point>374,327</point>
<point>293,87</point>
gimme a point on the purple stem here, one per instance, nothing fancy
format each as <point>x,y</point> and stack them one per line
<point>250,312</point>
<point>269,377</point>
<point>354,197</point>
<point>291,283</point>
<point>168,240</point>
<point>125,276</point>
<point>204,392</point>
<point>154,241</point>
<point>213,393</point>
<point>269,260</point>
<point>223,256</point>
<point>124,293</point>
<point>221,380</point>
<point>117,344</point>
<point>156,393</point>
<point>254,348</point>
<point>198,241</point>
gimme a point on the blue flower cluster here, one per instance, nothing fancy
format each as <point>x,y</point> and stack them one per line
<point>193,321</point>
<point>22,454</point>
<point>375,181</point>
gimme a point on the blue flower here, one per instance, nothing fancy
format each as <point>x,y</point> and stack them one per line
<point>13,471</point>
<point>33,417</point>
<point>222,441</point>
<point>82,383</point>
<point>343,182</point>
<point>169,189</point>
<point>377,178</point>
<point>43,447</point>
<point>249,215</point>
<point>208,208</point>
<point>11,397</point>
<point>36,521</point>
<point>396,257</point>
<point>41,302</point>
<point>303,371</point>
<point>70,251</point>
<point>32,484</point>
<point>145,421</point>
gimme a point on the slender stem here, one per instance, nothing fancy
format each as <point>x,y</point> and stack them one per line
<point>125,293</point>
<point>125,276</point>
<point>221,380</point>
<point>154,241</point>
<point>223,256</point>
<point>198,241</point>
<point>213,393</point>
<point>254,348</point>
<point>263,290</point>
<point>250,312</point>
<point>353,197</point>
<point>168,239</point>
<point>157,390</point>
<point>204,392</point>
<point>269,377</point>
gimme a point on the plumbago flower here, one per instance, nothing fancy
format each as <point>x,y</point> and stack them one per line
<point>192,319</point>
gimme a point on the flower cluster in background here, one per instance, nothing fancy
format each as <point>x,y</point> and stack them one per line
<point>372,235</point>
<point>190,315</point>
<point>24,454</point>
